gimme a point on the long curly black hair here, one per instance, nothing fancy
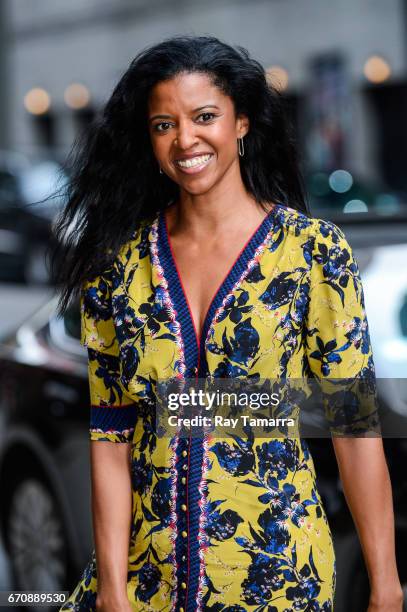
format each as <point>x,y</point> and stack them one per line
<point>114,179</point>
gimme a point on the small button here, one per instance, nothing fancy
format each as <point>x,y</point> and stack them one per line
<point>183,585</point>
<point>183,507</point>
<point>181,610</point>
<point>183,480</point>
<point>184,534</point>
<point>183,558</point>
<point>195,370</point>
<point>185,467</point>
<point>184,453</point>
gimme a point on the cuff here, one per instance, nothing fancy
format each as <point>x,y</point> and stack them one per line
<point>112,423</point>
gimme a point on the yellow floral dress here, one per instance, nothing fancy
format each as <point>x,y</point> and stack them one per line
<point>222,524</point>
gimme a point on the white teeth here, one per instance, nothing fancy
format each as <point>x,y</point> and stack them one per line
<point>194,161</point>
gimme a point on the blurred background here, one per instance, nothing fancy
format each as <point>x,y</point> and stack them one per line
<point>342,67</point>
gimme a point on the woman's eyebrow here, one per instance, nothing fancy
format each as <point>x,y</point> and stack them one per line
<point>206,106</point>
<point>195,110</point>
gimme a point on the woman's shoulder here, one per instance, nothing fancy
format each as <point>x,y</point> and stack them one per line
<point>130,253</point>
<point>298,222</point>
<point>137,246</point>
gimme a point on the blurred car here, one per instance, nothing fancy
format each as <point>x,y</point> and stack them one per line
<point>44,452</point>
<point>26,216</point>
<point>45,516</point>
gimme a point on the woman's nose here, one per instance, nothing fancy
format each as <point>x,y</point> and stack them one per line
<point>186,136</point>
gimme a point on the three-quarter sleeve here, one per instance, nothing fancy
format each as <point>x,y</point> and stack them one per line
<point>112,412</point>
<point>338,347</point>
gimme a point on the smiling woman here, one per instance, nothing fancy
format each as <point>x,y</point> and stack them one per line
<point>189,240</point>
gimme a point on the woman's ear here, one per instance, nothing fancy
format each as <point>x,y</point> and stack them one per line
<point>243,125</point>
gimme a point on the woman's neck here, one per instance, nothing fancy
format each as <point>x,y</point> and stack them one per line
<point>225,207</point>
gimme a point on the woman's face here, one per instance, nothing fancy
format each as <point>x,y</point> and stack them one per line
<point>194,131</point>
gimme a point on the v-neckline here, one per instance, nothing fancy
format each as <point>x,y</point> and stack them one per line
<point>236,269</point>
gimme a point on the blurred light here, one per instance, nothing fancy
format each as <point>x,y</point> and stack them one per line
<point>386,203</point>
<point>277,76</point>
<point>37,101</point>
<point>376,69</point>
<point>355,206</point>
<point>340,181</point>
<point>76,96</point>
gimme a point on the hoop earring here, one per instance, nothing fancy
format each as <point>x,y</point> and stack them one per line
<point>240,144</point>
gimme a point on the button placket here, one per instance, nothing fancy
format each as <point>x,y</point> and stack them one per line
<point>183,459</point>
<point>184,507</point>
<point>183,517</point>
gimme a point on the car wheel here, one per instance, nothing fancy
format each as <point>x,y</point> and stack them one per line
<point>36,541</point>
<point>36,272</point>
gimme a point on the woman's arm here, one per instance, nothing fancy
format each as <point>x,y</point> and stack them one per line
<point>338,348</point>
<point>111,513</point>
<point>367,488</point>
<point>112,420</point>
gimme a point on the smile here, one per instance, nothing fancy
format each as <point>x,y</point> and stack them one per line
<point>193,164</point>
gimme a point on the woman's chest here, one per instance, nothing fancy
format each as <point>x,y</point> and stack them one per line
<point>255,323</point>
<point>202,269</point>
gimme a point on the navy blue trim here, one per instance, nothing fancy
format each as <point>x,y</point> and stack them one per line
<point>191,496</point>
<point>178,297</point>
<point>191,359</point>
<point>118,418</point>
<point>233,276</point>
<point>194,496</point>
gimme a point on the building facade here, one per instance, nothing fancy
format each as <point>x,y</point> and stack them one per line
<point>322,46</point>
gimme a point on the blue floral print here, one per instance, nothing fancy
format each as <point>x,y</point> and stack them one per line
<point>230,523</point>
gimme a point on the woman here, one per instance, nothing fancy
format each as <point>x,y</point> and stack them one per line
<point>195,256</point>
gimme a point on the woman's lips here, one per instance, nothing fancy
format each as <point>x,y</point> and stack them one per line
<point>193,165</point>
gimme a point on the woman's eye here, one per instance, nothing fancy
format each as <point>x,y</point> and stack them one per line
<point>207,116</point>
<point>162,127</point>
